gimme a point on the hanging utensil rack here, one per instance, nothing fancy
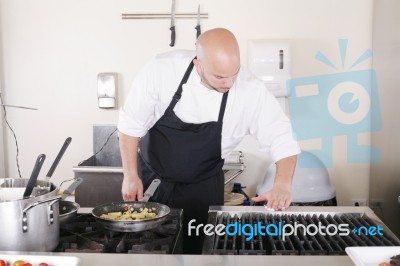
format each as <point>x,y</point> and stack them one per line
<point>162,15</point>
<point>17,106</point>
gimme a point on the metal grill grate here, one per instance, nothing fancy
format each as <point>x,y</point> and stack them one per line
<point>300,244</point>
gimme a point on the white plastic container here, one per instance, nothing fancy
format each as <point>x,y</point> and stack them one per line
<point>309,184</point>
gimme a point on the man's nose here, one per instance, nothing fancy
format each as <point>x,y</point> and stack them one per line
<point>228,82</point>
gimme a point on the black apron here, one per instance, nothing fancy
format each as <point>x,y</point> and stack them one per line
<point>187,159</point>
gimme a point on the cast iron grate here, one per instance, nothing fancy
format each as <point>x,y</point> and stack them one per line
<point>85,235</point>
<point>300,244</point>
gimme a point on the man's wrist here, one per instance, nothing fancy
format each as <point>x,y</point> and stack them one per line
<point>131,176</point>
<point>283,184</point>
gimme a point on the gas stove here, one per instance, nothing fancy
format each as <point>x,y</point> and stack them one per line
<point>85,235</point>
<point>296,231</point>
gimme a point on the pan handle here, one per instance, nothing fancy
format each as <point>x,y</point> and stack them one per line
<point>50,212</point>
<point>68,191</point>
<point>150,190</point>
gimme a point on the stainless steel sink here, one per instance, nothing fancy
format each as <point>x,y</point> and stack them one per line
<point>102,173</point>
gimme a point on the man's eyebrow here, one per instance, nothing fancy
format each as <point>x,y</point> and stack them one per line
<point>219,76</point>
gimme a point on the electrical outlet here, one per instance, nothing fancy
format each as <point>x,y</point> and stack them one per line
<point>359,202</point>
<point>376,203</point>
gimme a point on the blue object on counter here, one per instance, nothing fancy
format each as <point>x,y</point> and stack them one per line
<point>246,203</point>
<point>237,188</point>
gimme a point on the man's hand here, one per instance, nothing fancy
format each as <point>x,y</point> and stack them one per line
<point>132,186</point>
<point>278,198</point>
<point>132,189</point>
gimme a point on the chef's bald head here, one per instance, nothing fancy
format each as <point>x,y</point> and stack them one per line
<point>218,59</point>
<point>218,46</point>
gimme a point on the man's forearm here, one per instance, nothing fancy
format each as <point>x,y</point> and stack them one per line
<point>129,153</point>
<point>284,171</point>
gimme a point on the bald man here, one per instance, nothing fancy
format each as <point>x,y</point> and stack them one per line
<point>186,111</point>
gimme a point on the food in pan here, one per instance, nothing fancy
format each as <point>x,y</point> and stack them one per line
<point>131,214</point>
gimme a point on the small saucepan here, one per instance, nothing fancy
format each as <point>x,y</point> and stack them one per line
<point>69,209</point>
<point>161,210</point>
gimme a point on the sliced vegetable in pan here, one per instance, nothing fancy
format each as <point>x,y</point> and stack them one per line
<point>131,214</point>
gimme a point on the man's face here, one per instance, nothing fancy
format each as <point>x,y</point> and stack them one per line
<point>215,79</point>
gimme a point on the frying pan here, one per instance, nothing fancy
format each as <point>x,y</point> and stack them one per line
<point>69,209</point>
<point>161,210</point>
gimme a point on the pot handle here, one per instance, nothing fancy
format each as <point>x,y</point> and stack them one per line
<point>50,212</point>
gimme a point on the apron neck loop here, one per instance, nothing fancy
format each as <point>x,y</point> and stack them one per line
<point>178,93</point>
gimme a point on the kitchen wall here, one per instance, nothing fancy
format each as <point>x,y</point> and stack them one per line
<point>52,51</point>
<point>2,153</point>
<point>385,176</point>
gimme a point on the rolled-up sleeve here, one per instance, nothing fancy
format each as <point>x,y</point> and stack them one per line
<point>273,129</point>
<point>136,116</point>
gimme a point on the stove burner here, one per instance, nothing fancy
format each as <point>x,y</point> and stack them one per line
<point>87,236</point>
<point>300,244</point>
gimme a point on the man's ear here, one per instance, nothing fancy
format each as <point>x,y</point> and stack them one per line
<point>197,64</point>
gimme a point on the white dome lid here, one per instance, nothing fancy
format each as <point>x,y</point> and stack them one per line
<point>308,185</point>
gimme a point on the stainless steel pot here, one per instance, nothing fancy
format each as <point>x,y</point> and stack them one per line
<point>30,224</point>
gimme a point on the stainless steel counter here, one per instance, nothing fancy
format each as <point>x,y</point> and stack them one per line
<point>200,260</point>
<point>90,259</point>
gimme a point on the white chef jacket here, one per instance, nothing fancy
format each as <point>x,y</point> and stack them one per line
<point>250,110</point>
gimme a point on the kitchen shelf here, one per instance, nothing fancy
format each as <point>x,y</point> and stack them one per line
<point>233,166</point>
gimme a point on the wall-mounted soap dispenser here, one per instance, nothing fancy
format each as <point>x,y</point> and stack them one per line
<point>106,89</point>
<point>270,61</point>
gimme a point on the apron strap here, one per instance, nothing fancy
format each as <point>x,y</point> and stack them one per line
<point>222,108</point>
<point>178,93</point>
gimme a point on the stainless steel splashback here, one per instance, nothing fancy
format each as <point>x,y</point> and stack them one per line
<point>105,145</point>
